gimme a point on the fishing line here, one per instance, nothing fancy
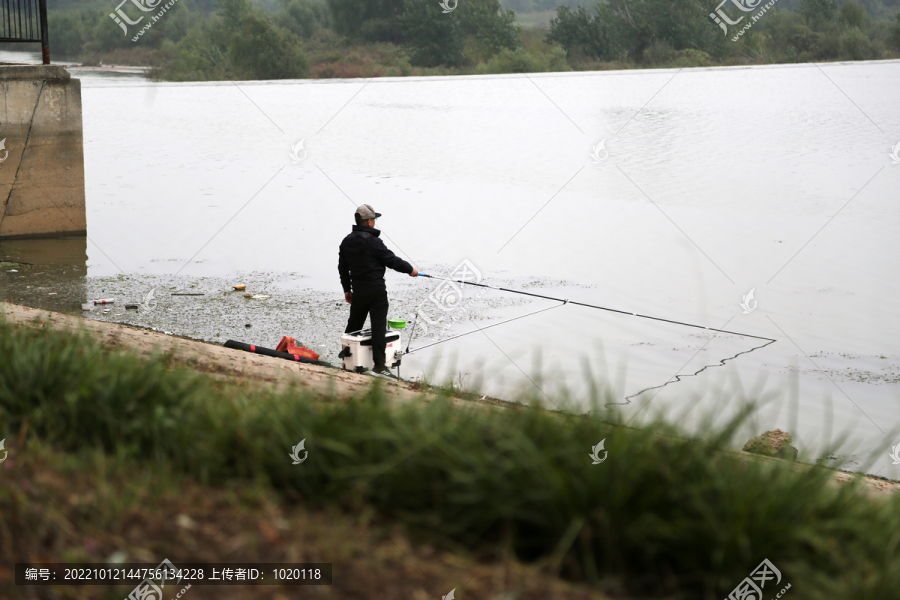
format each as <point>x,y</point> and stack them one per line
<point>678,377</point>
<point>623,312</point>
<point>412,332</point>
<point>453,337</point>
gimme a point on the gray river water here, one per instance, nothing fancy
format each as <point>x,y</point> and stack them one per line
<point>662,192</point>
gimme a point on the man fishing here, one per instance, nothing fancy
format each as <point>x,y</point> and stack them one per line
<point>362,260</point>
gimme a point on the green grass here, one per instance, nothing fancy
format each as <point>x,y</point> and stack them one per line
<point>663,515</point>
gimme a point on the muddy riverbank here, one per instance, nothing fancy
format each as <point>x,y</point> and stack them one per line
<point>219,361</point>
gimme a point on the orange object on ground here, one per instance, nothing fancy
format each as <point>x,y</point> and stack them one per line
<point>289,345</point>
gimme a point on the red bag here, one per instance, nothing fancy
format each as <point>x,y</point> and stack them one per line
<point>287,344</point>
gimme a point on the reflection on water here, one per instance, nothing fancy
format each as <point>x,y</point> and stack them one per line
<point>44,273</point>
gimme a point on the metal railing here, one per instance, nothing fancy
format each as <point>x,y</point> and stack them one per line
<point>25,21</point>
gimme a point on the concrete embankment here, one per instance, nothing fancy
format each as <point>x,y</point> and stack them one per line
<point>41,152</point>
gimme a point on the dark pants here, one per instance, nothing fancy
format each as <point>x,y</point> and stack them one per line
<point>375,305</point>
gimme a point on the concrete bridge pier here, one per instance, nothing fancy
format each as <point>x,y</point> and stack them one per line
<point>41,152</point>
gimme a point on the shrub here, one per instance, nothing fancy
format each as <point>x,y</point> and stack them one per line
<point>522,61</point>
<point>894,36</point>
<point>303,17</point>
<point>261,50</point>
<point>369,20</point>
<point>817,13</point>
<point>435,38</point>
<point>344,70</point>
<point>66,33</point>
<point>692,58</point>
<point>855,45</point>
<point>490,28</point>
<point>659,53</point>
<point>854,14</point>
<point>827,43</point>
<point>789,36</point>
<point>580,33</point>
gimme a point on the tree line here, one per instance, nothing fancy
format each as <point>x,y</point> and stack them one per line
<point>269,40</point>
<point>661,32</point>
<point>276,39</point>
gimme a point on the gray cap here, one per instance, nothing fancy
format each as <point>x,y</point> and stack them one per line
<point>366,212</point>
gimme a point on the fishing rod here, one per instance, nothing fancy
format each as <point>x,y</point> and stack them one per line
<point>566,301</point>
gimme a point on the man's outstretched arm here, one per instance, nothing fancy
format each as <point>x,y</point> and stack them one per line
<point>390,260</point>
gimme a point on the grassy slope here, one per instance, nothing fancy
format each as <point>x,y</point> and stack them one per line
<point>662,516</point>
<point>88,506</point>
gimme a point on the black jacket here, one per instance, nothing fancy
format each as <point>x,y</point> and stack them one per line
<point>363,258</point>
